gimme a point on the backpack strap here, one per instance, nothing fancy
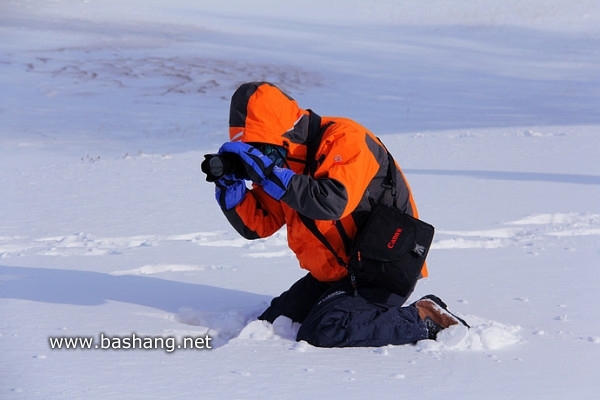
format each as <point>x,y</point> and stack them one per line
<point>312,226</point>
<point>390,181</point>
<point>315,135</point>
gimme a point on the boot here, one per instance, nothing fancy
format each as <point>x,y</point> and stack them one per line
<point>434,313</point>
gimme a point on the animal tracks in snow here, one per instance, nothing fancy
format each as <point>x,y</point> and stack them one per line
<point>532,232</point>
<point>160,268</point>
<point>85,244</point>
<point>155,75</point>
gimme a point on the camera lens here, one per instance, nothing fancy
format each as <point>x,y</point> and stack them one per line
<point>217,167</point>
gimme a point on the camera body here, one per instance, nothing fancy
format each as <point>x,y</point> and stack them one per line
<point>216,166</point>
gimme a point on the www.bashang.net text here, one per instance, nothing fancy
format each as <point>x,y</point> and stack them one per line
<point>130,342</point>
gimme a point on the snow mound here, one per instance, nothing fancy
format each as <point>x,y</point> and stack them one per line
<point>222,326</point>
<point>282,328</point>
<point>483,335</point>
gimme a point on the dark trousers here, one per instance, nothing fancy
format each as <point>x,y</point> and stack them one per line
<point>332,316</point>
<point>296,302</point>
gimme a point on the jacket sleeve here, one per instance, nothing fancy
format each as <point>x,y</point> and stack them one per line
<point>257,216</point>
<point>324,199</point>
<point>348,163</point>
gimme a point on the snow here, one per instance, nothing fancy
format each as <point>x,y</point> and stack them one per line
<point>108,227</point>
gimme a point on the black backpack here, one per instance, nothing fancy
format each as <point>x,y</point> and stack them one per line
<point>390,250</point>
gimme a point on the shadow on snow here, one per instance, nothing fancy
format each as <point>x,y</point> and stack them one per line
<point>93,288</point>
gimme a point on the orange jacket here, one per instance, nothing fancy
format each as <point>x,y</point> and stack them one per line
<point>352,164</point>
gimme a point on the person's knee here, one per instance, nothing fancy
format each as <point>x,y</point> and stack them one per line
<point>330,330</point>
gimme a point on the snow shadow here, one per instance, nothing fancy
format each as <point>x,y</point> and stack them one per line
<point>512,176</point>
<point>94,288</point>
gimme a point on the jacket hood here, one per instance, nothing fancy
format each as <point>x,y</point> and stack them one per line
<point>261,113</point>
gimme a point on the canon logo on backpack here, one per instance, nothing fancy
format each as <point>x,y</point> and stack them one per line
<point>394,238</point>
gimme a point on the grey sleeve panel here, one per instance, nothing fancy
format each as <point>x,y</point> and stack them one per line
<point>237,223</point>
<point>323,199</point>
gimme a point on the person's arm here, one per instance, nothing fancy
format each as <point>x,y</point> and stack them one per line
<point>348,164</point>
<point>256,216</point>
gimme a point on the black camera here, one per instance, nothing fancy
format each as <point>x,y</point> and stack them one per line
<point>217,165</point>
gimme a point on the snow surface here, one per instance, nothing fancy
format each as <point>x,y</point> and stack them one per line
<point>107,225</point>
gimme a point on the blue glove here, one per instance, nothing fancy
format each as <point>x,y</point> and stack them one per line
<point>260,168</point>
<point>257,165</point>
<point>277,182</point>
<point>229,191</point>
